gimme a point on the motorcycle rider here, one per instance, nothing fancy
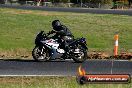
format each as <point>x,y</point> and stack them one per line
<point>62,33</point>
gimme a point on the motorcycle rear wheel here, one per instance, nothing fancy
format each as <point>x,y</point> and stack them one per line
<point>81,57</point>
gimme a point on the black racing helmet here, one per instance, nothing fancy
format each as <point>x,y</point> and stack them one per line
<point>56,23</point>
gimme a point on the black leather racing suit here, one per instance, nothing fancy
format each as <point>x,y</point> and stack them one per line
<point>64,35</point>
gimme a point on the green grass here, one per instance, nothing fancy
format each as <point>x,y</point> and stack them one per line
<point>18,28</point>
<point>52,82</point>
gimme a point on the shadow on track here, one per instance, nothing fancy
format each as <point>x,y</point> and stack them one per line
<point>29,60</point>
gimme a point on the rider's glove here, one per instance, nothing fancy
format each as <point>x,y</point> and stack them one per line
<point>51,32</point>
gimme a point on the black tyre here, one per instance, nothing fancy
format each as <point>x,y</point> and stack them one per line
<point>38,55</point>
<point>81,57</point>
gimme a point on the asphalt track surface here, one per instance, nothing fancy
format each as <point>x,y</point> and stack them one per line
<point>63,68</point>
<point>77,10</point>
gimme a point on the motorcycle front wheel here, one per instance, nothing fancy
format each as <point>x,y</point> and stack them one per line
<point>40,54</point>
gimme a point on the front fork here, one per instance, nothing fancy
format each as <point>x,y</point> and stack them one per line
<point>42,50</point>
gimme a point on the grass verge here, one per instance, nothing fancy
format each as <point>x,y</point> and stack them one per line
<point>52,82</point>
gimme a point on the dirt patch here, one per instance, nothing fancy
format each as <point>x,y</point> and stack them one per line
<point>15,54</point>
<point>104,55</point>
<point>98,55</point>
<point>42,13</point>
<point>27,54</point>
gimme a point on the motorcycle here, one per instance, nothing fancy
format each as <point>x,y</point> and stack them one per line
<point>47,48</point>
